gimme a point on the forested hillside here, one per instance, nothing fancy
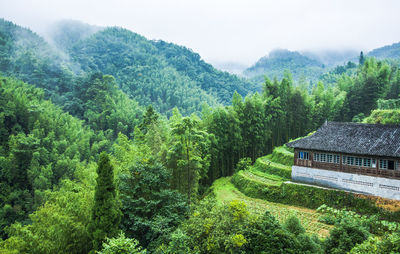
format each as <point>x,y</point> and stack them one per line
<point>279,61</point>
<point>389,51</point>
<point>315,65</point>
<point>150,72</point>
<point>121,144</point>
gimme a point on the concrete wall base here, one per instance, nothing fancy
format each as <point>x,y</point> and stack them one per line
<point>371,185</point>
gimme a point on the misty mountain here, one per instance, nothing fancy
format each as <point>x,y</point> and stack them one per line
<point>65,33</point>
<point>147,64</point>
<point>333,57</point>
<point>230,66</point>
<point>150,72</point>
<point>27,56</point>
<point>389,51</point>
<point>275,64</point>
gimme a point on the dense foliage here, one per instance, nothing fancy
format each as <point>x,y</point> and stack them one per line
<point>151,72</point>
<point>40,146</point>
<point>90,170</point>
<point>106,213</point>
<point>231,229</point>
<point>278,61</point>
<point>390,51</point>
<point>151,208</point>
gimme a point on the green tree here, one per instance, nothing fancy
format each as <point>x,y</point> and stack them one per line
<point>361,59</point>
<point>150,118</point>
<point>188,155</point>
<point>121,245</point>
<point>344,236</point>
<point>151,209</point>
<point>106,214</point>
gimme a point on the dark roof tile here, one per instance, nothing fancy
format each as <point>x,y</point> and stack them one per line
<point>353,138</point>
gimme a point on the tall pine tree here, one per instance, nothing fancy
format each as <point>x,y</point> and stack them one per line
<point>106,214</point>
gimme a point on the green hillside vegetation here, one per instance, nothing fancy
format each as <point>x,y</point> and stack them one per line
<point>261,191</point>
<point>149,70</point>
<point>278,61</point>
<point>389,51</point>
<point>40,147</point>
<point>226,192</point>
<point>187,164</point>
<point>27,56</point>
<point>266,164</point>
<point>384,116</point>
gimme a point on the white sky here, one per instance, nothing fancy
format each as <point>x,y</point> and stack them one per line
<point>229,30</point>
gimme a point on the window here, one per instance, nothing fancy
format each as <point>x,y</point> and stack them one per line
<point>303,155</point>
<point>383,164</point>
<point>358,161</point>
<point>367,162</point>
<point>330,158</point>
<point>350,160</point>
<point>373,163</point>
<point>336,159</point>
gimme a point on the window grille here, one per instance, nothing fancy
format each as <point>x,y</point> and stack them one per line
<point>358,161</point>
<point>303,155</point>
<point>383,164</point>
<point>350,160</point>
<point>329,158</point>
<point>336,159</point>
<point>367,162</point>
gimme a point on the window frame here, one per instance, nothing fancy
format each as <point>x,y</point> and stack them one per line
<point>383,164</point>
<point>303,155</point>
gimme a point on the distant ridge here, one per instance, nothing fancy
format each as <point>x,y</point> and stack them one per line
<point>280,60</point>
<point>388,51</point>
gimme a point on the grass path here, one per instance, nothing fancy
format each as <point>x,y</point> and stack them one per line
<point>225,192</point>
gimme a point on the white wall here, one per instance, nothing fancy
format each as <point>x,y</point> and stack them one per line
<point>377,186</point>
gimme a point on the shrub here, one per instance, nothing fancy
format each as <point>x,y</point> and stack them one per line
<point>243,164</point>
<point>293,225</point>
<point>121,244</point>
<point>344,236</point>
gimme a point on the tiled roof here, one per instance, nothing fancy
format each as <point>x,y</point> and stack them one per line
<point>353,138</point>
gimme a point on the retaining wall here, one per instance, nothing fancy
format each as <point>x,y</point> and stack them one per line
<point>377,186</point>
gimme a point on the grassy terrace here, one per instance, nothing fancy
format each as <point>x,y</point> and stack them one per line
<point>225,191</point>
<point>267,165</point>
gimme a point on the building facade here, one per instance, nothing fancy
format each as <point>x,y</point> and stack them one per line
<point>363,158</point>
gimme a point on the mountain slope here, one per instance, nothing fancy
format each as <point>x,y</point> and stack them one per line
<point>151,72</point>
<point>27,56</point>
<point>139,70</point>
<point>389,51</point>
<point>278,61</point>
<point>189,63</point>
<point>65,33</point>
<point>157,72</point>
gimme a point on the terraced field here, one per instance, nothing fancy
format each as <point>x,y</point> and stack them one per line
<point>278,163</point>
<point>225,191</point>
<point>271,170</point>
